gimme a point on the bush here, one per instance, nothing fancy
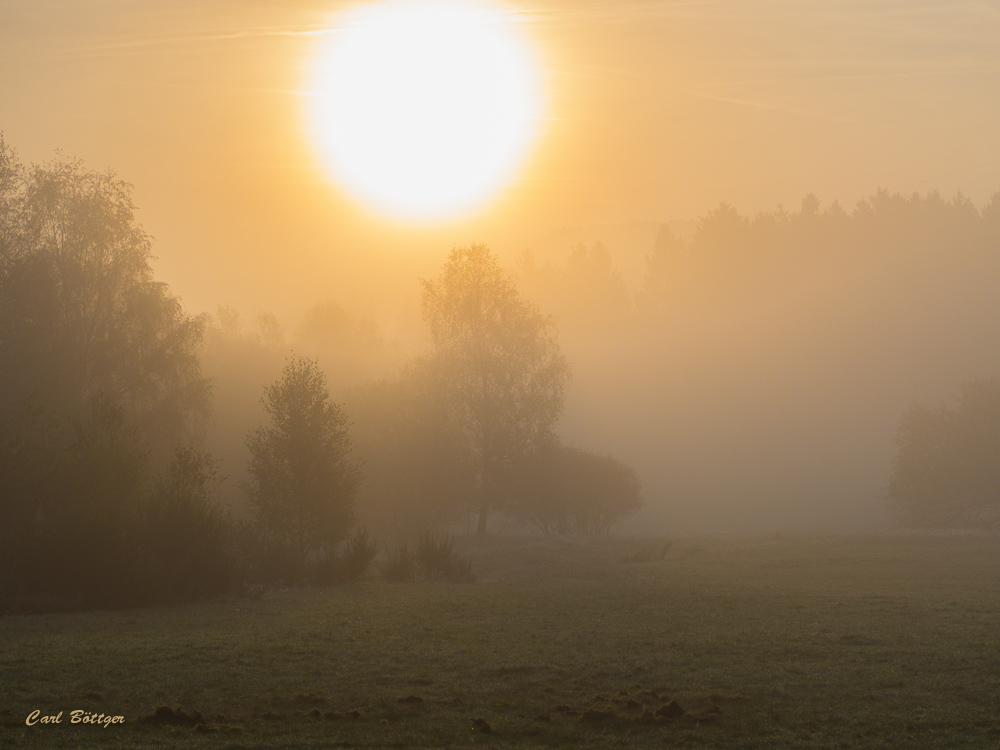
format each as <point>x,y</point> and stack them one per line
<point>438,560</point>
<point>350,563</point>
<point>399,566</point>
<point>80,535</point>
<point>267,559</point>
<point>419,471</point>
<point>568,490</point>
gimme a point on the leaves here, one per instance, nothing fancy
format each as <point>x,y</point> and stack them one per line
<point>947,471</point>
<point>501,365</point>
<point>302,478</point>
<point>81,314</point>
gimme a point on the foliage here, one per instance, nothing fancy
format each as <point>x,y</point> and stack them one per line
<point>86,533</point>
<point>238,358</point>
<point>349,563</point>
<point>504,374</point>
<point>419,470</point>
<point>99,378</point>
<point>597,296</point>
<point>947,471</point>
<point>303,479</point>
<point>755,258</point>
<point>568,490</point>
<point>346,344</point>
<point>434,559</point>
<point>663,283</point>
<point>88,528</point>
<point>438,560</point>
<point>187,552</point>
<point>266,559</point>
<point>81,315</point>
<point>400,565</point>
<point>32,467</point>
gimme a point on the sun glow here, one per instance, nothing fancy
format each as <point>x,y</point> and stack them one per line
<point>424,109</point>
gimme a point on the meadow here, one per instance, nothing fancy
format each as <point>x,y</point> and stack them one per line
<point>853,642</point>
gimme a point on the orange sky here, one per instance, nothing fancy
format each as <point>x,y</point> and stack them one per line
<point>659,111</point>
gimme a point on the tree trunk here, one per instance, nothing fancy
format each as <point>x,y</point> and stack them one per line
<point>485,488</point>
<point>484,511</point>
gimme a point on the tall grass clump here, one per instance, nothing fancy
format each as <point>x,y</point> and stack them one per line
<point>438,560</point>
<point>350,563</point>
<point>400,566</point>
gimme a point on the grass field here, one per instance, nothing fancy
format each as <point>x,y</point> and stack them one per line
<point>889,642</point>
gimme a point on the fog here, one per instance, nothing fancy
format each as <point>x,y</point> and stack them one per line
<point>765,393</point>
<point>754,373</point>
<point>751,360</point>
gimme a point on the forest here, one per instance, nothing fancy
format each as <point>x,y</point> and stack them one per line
<point>150,454</point>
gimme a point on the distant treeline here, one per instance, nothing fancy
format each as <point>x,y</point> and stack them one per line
<point>731,256</point>
<point>769,358</point>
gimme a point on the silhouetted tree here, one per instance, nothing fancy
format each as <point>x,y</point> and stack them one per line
<point>587,295</point>
<point>238,358</point>
<point>348,346</point>
<point>81,314</point>
<point>303,479</point>
<point>947,471</point>
<point>666,274</point>
<point>504,374</point>
<point>85,526</point>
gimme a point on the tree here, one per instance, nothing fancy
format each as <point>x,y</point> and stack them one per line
<point>504,374</point>
<point>594,297</point>
<point>947,471</point>
<point>418,466</point>
<point>73,497</point>
<point>85,526</point>
<point>186,541</point>
<point>303,479</point>
<point>568,490</point>
<point>81,315</point>
<point>667,272</point>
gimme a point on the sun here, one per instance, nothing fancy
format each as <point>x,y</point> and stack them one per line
<point>424,109</point>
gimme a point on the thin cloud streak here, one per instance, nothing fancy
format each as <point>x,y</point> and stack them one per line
<point>798,112</point>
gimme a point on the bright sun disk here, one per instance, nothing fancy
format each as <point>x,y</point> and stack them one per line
<point>424,110</point>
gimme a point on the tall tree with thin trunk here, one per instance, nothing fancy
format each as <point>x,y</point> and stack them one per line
<point>503,371</point>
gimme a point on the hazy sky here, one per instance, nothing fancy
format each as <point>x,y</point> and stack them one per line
<point>657,111</point>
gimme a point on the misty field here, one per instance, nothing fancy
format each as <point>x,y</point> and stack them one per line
<point>887,642</point>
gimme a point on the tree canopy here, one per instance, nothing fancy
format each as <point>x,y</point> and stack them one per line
<point>100,380</point>
<point>81,314</point>
<point>504,374</point>
<point>947,471</point>
<point>303,479</point>
<point>418,467</point>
